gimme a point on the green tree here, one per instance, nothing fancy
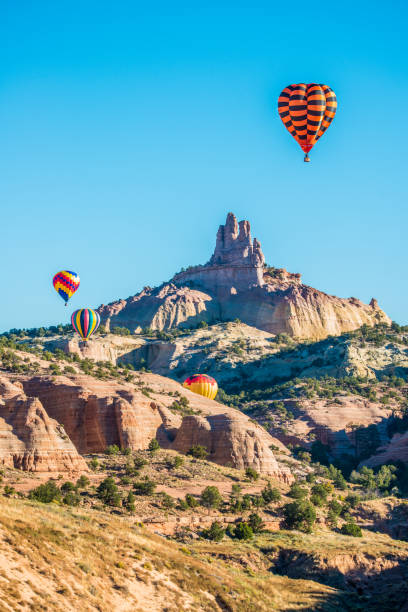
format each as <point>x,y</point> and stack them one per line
<point>68,486</point>
<point>243,531</point>
<point>215,532</point>
<point>255,522</point>
<point>130,502</point>
<point>299,514</point>
<point>271,494</point>
<point>211,497</point>
<point>108,492</point>
<point>297,492</point>
<point>144,487</point>
<point>46,493</point>
<point>198,451</point>
<point>178,461</point>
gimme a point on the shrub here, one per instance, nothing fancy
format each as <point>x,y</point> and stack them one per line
<point>211,497</point>
<point>351,529</point>
<point>256,523</point>
<point>112,449</point>
<point>45,493</point>
<point>178,461</point>
<point>297,492</point>
<point>353,499</point>
<point>215,532</point>
<point>94,464</point>
<point>198,451</point>
<point>251,474</point>
<point>191,501</point>
<point>130,502</point>
<point>108,492</point>
<point>144,487</point>
<point>71,498</point>
<point>243,531</point>
<point>166,501</point>
<point>139,462</point>
<point>82,482</point>
<point>68,486</point>
<point>8,490</point>
<point>299,514</point>
<point>154,446</point>
<point>271,494</point>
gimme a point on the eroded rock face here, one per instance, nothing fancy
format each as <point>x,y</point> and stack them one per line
<point>96,414</point>
<point>230,441</point>
<point>29,439</point>
<point>235,284</point>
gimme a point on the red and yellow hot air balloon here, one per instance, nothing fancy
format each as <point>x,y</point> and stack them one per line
<point>65,284</point>
<point>85,322</point>
<point>307,110</point>
<point>202,384</point>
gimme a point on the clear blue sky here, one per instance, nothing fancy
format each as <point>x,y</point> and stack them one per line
<point>129,129</point>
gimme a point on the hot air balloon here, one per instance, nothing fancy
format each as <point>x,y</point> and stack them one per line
<point>202,384</point>
<point>85,321</point>
<point>307,110</point>
<point>66,283</point>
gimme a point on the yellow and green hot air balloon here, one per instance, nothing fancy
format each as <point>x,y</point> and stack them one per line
<point>85,321</point>
<point>202,384</point>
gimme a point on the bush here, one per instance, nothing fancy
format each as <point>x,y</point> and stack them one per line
<point>144,487</point>
<point>297,492</point>
<point>154,446</point>
<point>108,492</point>
<point>251,474</point>
<point>112,449</point>
<point>71,499</point>
<point>130,502</point>
<point>94,464</point>
<point>198,451</point>
<point>166,501</point>
<point>46,493</point>
<point>243,531</point>
<point>178,462</point>
<point>271,494</point>
<point>191,501</point>
<point>300,515</point>
<point>256,523</point>
<point>211,497</point>
<point>9,491</point>
<point>351,529</point>
<point>215,532</point>
<point>82,482</point>
<point>68,486</point>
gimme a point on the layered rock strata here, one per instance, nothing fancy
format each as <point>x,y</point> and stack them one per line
<point>29,438</point>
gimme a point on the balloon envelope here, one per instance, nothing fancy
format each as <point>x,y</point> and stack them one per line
<point>202,384</point>
<point>307,110</point>
<point>85,321</point>
<point>66,283</point>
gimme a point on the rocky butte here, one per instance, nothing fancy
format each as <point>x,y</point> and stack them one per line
<point>236,284</point>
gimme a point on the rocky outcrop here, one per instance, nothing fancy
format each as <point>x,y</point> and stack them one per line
<point>29,439</point>
<point>236,284</point>
<point>96,414</point>
<point>230,441</point>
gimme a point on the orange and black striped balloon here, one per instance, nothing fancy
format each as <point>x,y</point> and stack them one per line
<point>307,110</point>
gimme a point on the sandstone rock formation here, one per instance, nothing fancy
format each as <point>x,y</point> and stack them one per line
<point>29,439</point>
<point>96,414</point>
<point>236,284</point>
